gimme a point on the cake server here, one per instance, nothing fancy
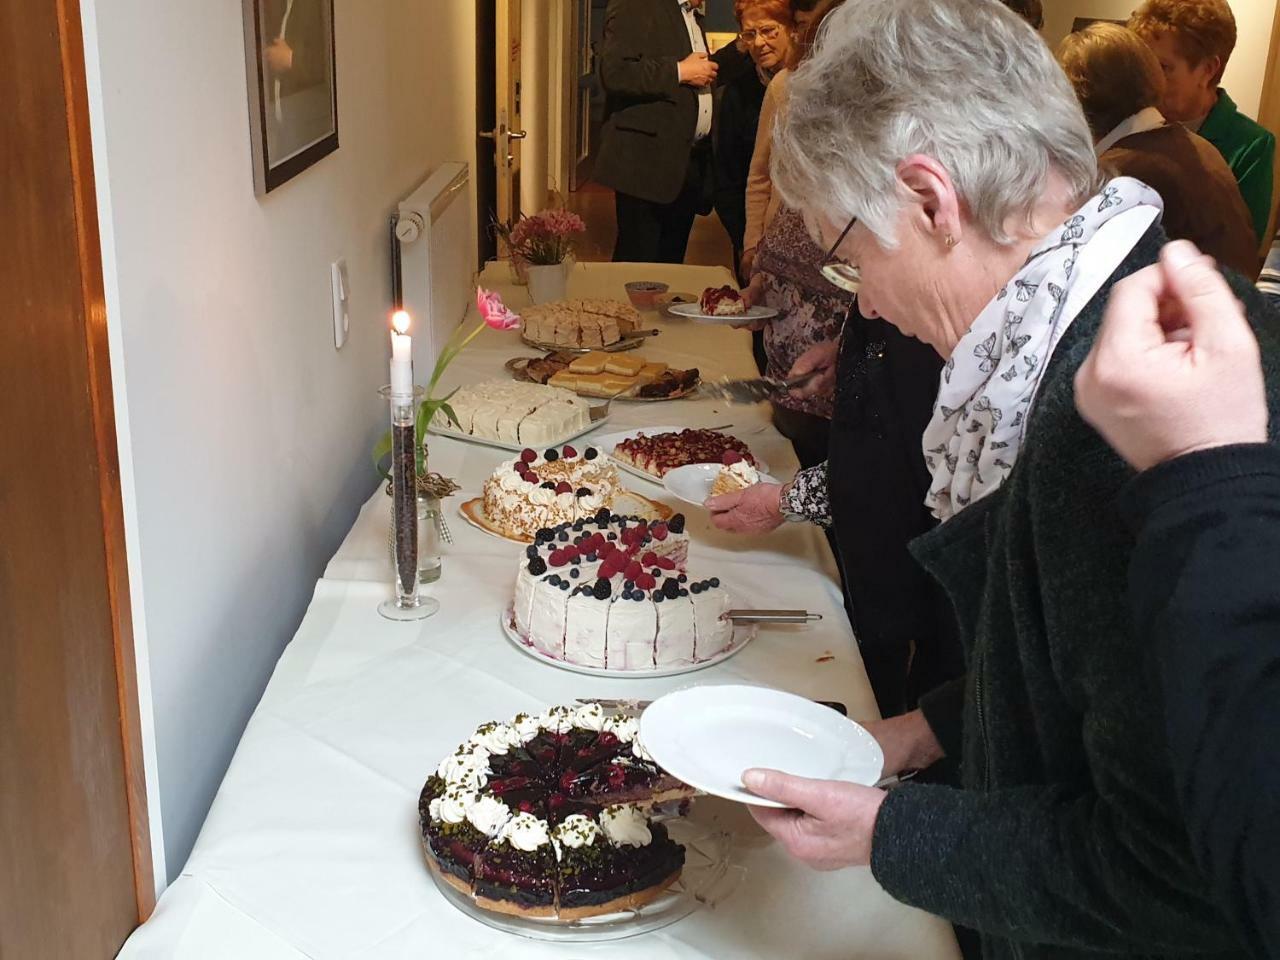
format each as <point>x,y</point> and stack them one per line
<point>754,390</point>
<point>772,616</point>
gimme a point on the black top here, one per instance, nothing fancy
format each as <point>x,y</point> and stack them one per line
<point>737,117</point>
<point>650,117</point>
<point>877,481</point>
<point>1068,839</point>
<point>1205,595</point>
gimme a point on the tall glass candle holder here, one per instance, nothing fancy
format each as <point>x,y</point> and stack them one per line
<point>407,604</point>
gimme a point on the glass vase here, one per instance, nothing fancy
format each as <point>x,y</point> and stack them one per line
<point>407,604</point>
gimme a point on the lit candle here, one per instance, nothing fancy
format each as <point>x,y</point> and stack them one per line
<point>401,357</point>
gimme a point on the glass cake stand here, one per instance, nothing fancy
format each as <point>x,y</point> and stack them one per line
<point>709,876</point>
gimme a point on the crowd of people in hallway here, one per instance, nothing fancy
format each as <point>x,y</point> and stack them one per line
<point>1032,287</point>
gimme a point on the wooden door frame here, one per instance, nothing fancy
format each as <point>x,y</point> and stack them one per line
<point>1269,117</point>
<point>71,44</point>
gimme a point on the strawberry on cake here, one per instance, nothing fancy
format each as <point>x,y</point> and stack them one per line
<point>614,593</point>
<point>535,490</point>
<point>721,302</point>
<point>546,816</point>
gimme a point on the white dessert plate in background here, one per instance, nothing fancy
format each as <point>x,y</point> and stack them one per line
<point>693,311</point>
<point>743,633</point>
<point>608,441</point>
<point>707,736</point>
<point>692,482</point>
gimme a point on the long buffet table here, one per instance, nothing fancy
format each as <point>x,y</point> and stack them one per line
<point>311,849</point>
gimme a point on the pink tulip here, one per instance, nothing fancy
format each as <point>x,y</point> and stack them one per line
<point>494,311</point>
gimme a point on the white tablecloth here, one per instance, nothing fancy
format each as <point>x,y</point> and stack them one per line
<point>311,849</point>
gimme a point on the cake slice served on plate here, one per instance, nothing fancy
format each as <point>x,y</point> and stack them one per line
<point>736,473</point>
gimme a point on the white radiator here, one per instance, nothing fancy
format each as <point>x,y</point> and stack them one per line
<point>436,261</point>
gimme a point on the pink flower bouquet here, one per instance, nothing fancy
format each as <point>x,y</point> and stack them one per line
<point>544,239</point>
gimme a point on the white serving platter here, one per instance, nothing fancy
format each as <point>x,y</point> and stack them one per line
<point>608,441</point>
<point>516,447</point>
<point>742,635</point>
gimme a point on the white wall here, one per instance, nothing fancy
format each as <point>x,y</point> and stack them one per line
<point>1245,70</point>
<point>244,434</point>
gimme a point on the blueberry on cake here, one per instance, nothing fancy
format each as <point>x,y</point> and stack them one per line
<point>546,816</point>
<point>615,593</point>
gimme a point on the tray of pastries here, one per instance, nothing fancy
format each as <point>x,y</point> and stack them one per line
<point>581,324</point>
<point>598,373</point>
<point>512,415</point>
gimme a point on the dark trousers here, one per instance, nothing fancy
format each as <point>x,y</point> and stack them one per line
<point>651,232</point>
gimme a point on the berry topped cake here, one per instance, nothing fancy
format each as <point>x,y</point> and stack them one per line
<point>660,453</point>
<point>736,473</point>
<point>722,302</point>
<point>613,593</point>
<point>546,816</point>
<point>536,490</point>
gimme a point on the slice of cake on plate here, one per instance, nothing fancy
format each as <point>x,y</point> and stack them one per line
<point>721,302</point>
<point>736,473</point>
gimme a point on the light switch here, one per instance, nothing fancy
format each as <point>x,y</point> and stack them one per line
<point>341,293</point>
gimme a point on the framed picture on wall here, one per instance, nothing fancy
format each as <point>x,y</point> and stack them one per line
<point>293,88</point>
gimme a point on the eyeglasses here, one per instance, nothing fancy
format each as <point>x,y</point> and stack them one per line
<point>837,272</point>
<point>767,34</point>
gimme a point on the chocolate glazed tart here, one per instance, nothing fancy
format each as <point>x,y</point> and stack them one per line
<point>555,776</point>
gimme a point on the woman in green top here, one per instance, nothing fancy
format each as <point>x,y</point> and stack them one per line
<point>1193,40</point>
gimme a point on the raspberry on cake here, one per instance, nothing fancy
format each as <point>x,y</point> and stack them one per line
<point>660,453</point>
<point>721,302</point>
<point>538,490</point>
<point>735,474</point>
<point>619,604</point>
<point>577,842</point>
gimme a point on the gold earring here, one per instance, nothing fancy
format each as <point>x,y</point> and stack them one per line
<point>950,241</point>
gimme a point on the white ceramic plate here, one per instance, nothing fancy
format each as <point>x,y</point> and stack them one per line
<point>707,736</point>
<point>742,635</point>
<point>692,482</point>
<point>608,441</point>
<point>692,311</point>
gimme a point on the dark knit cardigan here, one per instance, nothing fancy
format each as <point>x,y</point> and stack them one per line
<point>1067,840</point>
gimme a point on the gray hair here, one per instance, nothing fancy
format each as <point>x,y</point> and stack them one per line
<point>966,82</point>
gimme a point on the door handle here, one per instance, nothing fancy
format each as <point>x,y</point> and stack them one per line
<point>487,134</point>
<point>517,135</point>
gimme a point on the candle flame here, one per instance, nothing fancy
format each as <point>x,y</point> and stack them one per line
<point>400,321</point>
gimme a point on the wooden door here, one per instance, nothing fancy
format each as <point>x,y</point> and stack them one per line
<point>76,875</point>
<point>509,131</point>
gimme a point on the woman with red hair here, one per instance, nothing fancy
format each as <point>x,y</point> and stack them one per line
<point>768,31</point>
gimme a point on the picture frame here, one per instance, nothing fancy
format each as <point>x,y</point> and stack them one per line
<point>291,72</point>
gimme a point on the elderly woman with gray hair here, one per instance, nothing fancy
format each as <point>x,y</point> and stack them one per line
<point>939,150</point>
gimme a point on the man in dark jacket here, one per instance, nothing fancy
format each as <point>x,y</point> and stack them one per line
<point>655,150</point>
<point>1189,409</point>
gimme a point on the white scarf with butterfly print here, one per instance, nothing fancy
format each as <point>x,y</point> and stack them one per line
<point>988,385</point>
